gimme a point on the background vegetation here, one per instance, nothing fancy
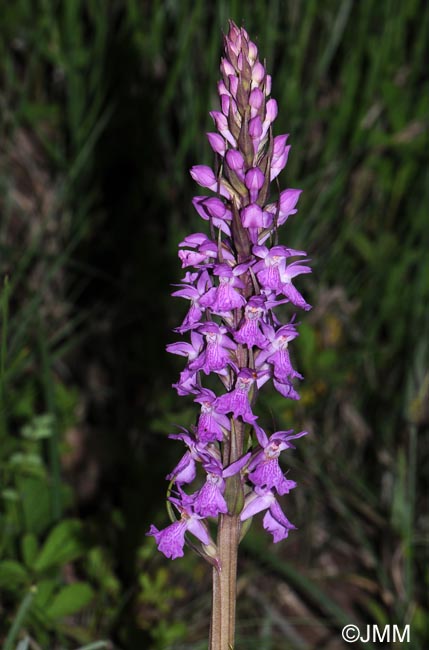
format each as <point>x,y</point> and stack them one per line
<point>104,105</point>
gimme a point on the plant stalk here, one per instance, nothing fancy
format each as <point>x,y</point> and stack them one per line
<point>222,628</point>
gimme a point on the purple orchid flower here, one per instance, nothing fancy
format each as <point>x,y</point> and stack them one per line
<point>237,400</point>
<point>188,379</point>
<point>171,540</point>
<point>254,181</point>
<point>276,351</point>
<point>256,219</point>
<point>249,332</point>
<point>282,209</point>
<point>217,143</point>
<point>185,470</point>
<point>205,177</point>
<point>280,155</point>
<point>286,389</point>
<point>188,383</point>
<point>209,500</point>
<point>274,521</point>
<point>287,273</point>
<point>194,293</point>
<point>211,424</point>
<point>224,298</point>
<point>191,350</point>
<point>264,469</point>
<point>221,123</point>
<point>214,209</point>
<point>206,250</point>
<point>268,269</point>
<point>217,354</point>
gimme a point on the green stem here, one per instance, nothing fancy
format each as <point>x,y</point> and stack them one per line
<point>409,536</point>
<point>3,353</point>
<point>98,645</point>
<point>49,395</point>
<point>19,619</point>
<point>222,629</point>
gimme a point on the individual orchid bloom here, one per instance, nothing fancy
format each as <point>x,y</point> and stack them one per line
<point>211,424</point>
<point>225,297</point>
<point>237,400</point>
<point>226,69</point>
<point>287,272</point>
<point>255,132</point>
<point>281,210</point>
<point>249,332</point>
<point>258,128</point>
<point>287,202</point>
<point>254,181</point>
<point>229,107</point>
<point>284,207</point>
<point>274,521</point>
<point>276,351</point>
<point>217,143</point>
<point>256,220</point>
<point>214,209</point>
<point>235,161</point>
<point>191,350</point>
<point>205,177</point>
<point>190,277</point>
<point>206,250</point>
<point>286,389</point>
<point>280,156</point>
<point>264,469</point>
<point>222,126</point>
<point>222,87</point>
<point>188,382</point>
<point>171,540</point>
<point>256,102</point>
<point>269,267</point>
<point>217,353</point>
<point>233,85</point>
<point>185,470</point>
<point>193,292</point>
<point>271,112</point>
<point>282,438</point>
<point>209,501</point>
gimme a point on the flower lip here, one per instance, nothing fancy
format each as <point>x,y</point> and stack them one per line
<point>223,270</point>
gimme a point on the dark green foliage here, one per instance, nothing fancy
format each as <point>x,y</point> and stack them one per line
<point>103,108</point>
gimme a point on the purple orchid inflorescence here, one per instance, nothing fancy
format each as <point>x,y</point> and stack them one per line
<point>236,277</point>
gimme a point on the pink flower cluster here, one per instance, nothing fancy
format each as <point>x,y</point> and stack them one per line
<point>235,279</point>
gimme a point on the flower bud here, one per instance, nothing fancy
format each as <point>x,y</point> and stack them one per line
<point>217,143</point>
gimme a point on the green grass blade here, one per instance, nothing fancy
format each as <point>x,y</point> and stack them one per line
<point>19,619</point>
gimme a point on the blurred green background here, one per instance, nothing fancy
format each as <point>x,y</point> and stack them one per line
<point>104,106</point>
